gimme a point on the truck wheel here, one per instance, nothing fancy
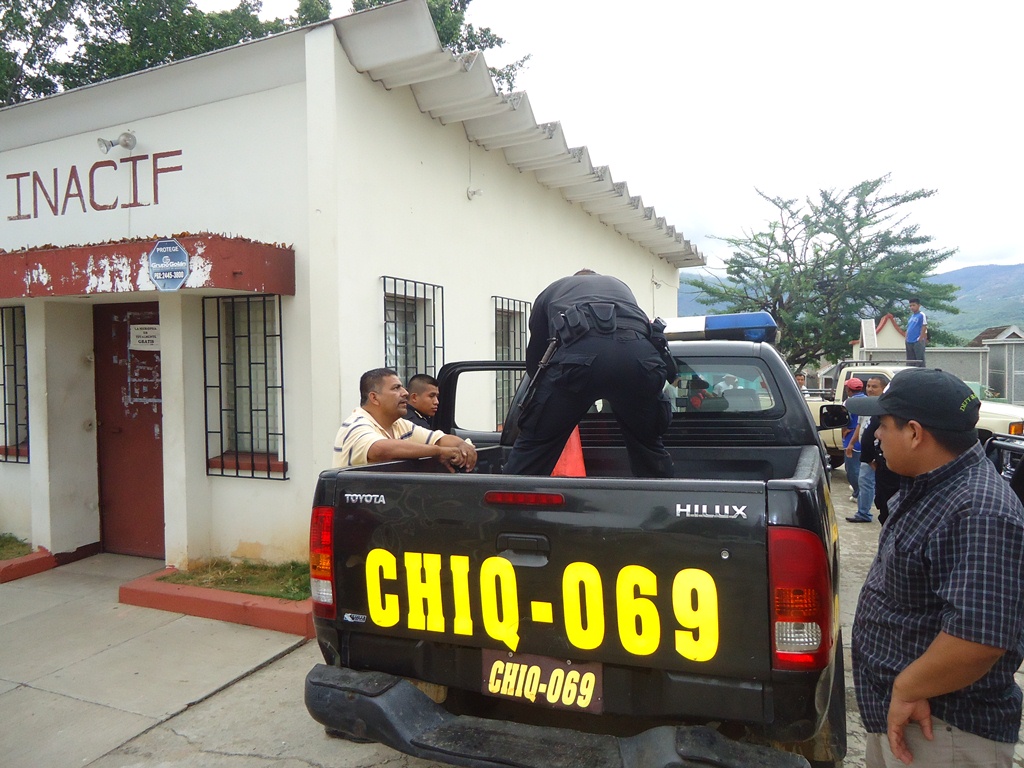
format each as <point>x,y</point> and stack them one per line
<point>828,748</point>
<point>835,724</point>
<point>836,461</point>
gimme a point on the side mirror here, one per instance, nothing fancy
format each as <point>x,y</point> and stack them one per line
<point>833,417</point>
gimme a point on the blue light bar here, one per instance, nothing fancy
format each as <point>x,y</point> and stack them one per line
<point>742,326</point>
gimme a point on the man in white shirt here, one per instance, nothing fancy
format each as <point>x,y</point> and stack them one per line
<point>728,382</point>
<point>378,431</point>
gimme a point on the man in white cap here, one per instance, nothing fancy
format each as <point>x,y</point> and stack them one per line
<point>728,382</point>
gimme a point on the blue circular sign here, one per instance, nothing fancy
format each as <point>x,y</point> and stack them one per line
<point>168,265</point>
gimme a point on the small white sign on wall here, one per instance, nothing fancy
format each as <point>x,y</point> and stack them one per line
<point>144,337</point>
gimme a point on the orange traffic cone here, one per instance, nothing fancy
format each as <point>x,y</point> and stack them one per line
<point>570,463</point>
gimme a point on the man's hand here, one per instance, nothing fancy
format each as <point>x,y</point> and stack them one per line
<point>902,713</point>
<point>949,664</point>
<point>456,454</point>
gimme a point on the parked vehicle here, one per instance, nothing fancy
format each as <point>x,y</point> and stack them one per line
<point>996,416</point>
<point>493,620</point>
<point>1006,452</point>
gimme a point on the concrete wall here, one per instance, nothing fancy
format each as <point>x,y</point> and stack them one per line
<point>62,418</point>
<point>968,363</point>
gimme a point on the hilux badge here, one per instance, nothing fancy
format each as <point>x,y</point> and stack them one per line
<point>715,511</point>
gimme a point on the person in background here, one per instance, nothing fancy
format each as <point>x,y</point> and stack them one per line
<point>851,441</point>
<point>917,331</point>
<point>423,399</point>
<point>887,482</point>
<point>606,350</point>
<point>938,632</point>
<point>728,382</point>
<point>378,431</point>
<point>866,471</point>
<point>697,389</point>
<point>801,381</point>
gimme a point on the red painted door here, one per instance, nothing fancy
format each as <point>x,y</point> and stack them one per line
<point>129,428</point>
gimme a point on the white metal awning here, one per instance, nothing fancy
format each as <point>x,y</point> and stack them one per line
<point>397,45</point>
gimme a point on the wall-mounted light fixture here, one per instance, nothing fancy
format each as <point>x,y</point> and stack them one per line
<point>126,140</point>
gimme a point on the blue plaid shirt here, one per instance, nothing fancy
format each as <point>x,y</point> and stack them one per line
<point>950,558</point>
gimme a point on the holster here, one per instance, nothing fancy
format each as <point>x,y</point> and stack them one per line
<point>571,325</point>
<point>661,344</point>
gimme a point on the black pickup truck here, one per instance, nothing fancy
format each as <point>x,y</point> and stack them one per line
<point>490,620</point>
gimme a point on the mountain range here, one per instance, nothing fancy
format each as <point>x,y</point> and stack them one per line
<point>988,296</point>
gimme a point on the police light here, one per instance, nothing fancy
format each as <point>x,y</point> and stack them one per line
<point>742,326</point>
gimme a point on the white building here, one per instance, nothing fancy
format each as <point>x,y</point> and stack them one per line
<point>356,197</point>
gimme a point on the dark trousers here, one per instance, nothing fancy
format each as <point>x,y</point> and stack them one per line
<point>915,350</point>
<point>887,483</point>
<point>623,368</point>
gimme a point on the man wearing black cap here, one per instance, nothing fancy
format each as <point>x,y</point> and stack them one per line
<point>939,627</point>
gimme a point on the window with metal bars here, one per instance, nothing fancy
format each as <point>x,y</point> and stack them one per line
<point>13,386</point>
<point>511,318</point>
<point>243,356</point>
<point>413,327</point>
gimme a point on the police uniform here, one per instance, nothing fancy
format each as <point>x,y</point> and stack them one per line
<point>605,353</point>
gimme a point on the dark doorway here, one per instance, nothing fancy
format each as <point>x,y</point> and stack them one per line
<point>129,428</point>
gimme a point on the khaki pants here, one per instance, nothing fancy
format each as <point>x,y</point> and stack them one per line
<point>949,747</point>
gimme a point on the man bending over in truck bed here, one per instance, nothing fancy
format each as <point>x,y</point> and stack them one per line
<point>378,431</point>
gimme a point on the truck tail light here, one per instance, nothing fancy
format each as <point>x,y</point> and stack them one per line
<point>1017,428</point>
<point>800,580</point>
<point>518,499</point>
<point>321,562</point>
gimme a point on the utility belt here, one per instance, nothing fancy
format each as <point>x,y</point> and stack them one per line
<point>600,317</point>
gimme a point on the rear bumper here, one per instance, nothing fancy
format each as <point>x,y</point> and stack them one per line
<point>387,709</point>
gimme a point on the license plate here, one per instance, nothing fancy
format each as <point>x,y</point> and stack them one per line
<point>544,681</point>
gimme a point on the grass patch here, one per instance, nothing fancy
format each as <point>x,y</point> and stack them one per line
<point>11,547</point>
<point>289,581</point>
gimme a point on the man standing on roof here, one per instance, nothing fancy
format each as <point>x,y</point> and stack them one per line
<point>917,331</point>
<point>604,352</point>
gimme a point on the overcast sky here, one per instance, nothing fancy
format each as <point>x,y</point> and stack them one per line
<point>695,105</point>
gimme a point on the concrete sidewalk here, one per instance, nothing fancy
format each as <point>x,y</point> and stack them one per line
<point>81,673</point>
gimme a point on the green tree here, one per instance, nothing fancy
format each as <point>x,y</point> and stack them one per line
<point>118,37</point>
<point>823,265</point>
<point>32,32</point>
<point>52,45</point>
<point>449,18</point>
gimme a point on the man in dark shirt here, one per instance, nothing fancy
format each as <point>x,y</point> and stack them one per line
<point>423,398</point>
<point>605,352</point>
<point>939,627</point>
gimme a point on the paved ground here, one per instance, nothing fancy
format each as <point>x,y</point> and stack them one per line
<point>86,681</point>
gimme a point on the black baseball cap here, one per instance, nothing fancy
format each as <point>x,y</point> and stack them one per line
<point>929,396</point>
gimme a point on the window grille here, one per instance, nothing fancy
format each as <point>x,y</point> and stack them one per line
<point>510,326</point>
<point>13,386</point>
<point>243,356</point>
<point>413,327</point>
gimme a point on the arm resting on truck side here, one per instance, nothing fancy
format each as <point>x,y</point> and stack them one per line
<point>450,450</point>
